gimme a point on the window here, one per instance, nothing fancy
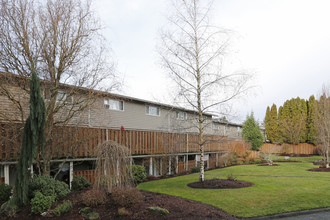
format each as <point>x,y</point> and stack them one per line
<point>63,97</point>
<point>215,126</point>
<point>181,115</point>
<point>114,104</point>
<point>239,129</point>
<point>106,104</point>
<point>152,110</point>
<point>227,128</point>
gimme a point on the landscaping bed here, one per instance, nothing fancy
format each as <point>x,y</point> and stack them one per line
<point>220,184</point>
<point>178,208</point>
<point>322,169</point>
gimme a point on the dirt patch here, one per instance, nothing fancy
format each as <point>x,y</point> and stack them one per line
<point>320,170</point>
<point>179,208</point>
<point>220,184</point>
<point>267,165</point>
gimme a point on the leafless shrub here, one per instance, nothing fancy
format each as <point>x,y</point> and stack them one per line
<point>113,166</point>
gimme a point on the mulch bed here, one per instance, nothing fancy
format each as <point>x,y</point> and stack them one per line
<point>267,165</point>
<point>320,170</point>
<point>179,208</point>
<point>220,184</point>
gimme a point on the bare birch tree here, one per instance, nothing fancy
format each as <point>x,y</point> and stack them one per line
<point>61,41</point>
<point>192,52</point>
<point>323,124</point>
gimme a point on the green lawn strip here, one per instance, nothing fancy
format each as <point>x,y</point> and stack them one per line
<point>270,195</point>
<point>303,159</point>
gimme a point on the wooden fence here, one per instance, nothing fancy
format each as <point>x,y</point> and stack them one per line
<point>302,148</point>
<point>80,142</point>
<point>88,174</point>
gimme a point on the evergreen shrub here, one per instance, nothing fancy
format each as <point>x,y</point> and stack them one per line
<point>195,169</point>
<point>62,208</point>
<point>5,192</point>
<point>41,203</point>
<point>139,173</point>
<point>79,183</point>
<point>48,186</point>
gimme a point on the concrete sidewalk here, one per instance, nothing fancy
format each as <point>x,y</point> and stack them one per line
<point>319,214</point>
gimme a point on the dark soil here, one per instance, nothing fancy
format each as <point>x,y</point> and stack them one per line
<point>179,208</point>
<point>267,165</point>
<point>219,184</point>
<point>320,170</point>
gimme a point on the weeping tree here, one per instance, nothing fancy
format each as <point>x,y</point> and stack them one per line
<point>33,139</point>
<point>113,166</point>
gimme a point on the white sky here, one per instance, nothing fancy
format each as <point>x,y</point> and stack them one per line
<point>285,42</point>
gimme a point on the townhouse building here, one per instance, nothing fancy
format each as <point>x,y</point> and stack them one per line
<point>161,137</point>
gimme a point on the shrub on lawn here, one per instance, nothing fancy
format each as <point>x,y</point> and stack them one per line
<point>94,197</point>
<point>41,203</point>
<point>231,177</point>
<point>62,208</point>
<point>48,186</point>
<point>126,197</point>
<point>79,183</point>
<point>5,192</point>
<point>139,173</point>
<point>195,169</point>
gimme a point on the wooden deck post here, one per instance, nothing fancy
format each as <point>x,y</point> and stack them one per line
<point>150,166</point>
<point>177,164</point>
<point>6,173</point>
<point>161,167</point>
<point>71,173</point>
<point>169,165</point>
<point>216,159</point>
<point>187,156</point>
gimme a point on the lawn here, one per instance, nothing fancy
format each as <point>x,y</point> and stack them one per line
<point>303,159</point>
<point>285,188</point>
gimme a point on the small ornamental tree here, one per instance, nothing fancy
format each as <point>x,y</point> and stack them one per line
<point>251,132</point>
<point>33,137</point>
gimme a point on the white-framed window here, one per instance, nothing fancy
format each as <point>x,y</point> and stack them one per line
<point>106,104</point>
<point>62,96</point>
<point>114,104</point>
<point>152,110</point>
<point>181,115</point>
<point>215,126</point>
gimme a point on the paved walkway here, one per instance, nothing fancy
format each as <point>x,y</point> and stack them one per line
<point>317,214</point>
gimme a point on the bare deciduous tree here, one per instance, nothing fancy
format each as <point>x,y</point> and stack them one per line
<point>61,41</point>
<point>323,123</point>
<point>192,50</point>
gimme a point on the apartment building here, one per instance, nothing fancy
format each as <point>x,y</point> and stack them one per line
<point>161,137</point>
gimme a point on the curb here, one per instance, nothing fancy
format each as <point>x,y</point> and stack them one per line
<point>289,214</point>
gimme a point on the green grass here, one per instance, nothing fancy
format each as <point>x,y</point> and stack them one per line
<point>288,187</point>
<point>303,159</point>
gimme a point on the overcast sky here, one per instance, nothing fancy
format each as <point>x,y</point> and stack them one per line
<point>286,43</point>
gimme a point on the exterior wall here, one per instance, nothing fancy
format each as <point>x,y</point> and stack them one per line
<point>134,117</point>
<point>9,110</point>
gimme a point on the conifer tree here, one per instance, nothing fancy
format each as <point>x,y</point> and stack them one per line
<point>311,126</point>
<point>292,121</point>
<point>274,123</point>
<point>267,123</point>
<point>251,132</point>
<point>33,137</point>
